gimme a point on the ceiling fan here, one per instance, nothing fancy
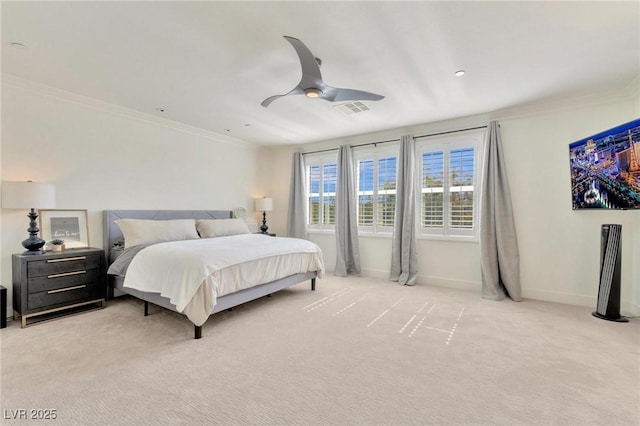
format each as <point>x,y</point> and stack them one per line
<point>311,84</point>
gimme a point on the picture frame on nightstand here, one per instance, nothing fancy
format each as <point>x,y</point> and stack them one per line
<point>71,226</point>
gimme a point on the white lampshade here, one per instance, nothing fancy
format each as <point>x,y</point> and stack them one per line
<point>27,195</point>
<point>264,204</point>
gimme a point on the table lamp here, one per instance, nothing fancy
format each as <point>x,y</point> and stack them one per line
<point>264,205</point>
<point>29,195</point>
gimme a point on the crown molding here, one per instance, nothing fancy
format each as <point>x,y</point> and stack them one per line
<point>10,81</point>
<point>626,91</point>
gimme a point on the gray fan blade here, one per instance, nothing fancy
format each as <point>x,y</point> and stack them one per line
<point>338,95</point>
<point>295,91</point>
<point>270,99</point>
<point>311,76</point>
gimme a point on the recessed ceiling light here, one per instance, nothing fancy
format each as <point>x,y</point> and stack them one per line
<point>17,45</point>
<point>459,73</point>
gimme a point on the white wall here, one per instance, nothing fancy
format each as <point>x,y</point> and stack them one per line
<point>273,173</point>
<point>559,247</point>
<point>101,156</point>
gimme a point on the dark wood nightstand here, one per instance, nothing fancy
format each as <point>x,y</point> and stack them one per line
<point>53,285</point>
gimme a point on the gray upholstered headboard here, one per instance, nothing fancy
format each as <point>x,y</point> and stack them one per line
<point>112,233</point>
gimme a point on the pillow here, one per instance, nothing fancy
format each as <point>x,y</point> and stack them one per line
<point>138,231</point>
<point>208,228</point>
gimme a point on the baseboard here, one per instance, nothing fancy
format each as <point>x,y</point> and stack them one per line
<point>627,308</point>
<point>559,297</point>
<point>449,283</point>
<point>422,279</point>
<point>364,272</point>
<point>375,273</point>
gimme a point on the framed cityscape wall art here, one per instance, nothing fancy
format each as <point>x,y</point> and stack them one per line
<point>605,169</point>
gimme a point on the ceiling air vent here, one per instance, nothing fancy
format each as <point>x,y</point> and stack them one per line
<point>352,107</point>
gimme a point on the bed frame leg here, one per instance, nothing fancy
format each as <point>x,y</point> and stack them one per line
<point>197,329</point>
<point>313,284</point>
<point>146,308</point>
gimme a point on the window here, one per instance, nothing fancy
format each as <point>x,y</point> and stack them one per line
<point>449,184</point>
<point>376,173</point>
<point>321,191</point>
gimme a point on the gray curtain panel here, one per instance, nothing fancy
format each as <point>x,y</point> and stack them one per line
<point>500,260</point>
<point>404,257</point>
<point>347,247</point>
<point>297,215</point>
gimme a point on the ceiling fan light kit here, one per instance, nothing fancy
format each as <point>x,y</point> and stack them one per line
<point>312,92</point>
<point>311,84</point>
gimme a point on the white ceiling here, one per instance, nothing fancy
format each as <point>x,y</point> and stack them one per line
<point>210,64</point>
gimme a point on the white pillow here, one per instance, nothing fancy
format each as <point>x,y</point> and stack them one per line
<point>208,228</point>
<point>138,231</point>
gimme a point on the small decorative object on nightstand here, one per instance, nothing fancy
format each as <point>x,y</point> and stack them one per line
<point>57,284</point>
<point>264,205</point>
<point>57,245</point>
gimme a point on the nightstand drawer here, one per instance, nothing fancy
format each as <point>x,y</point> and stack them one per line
<point>65,296</point>
<point>60,280</point>
<point>62,265</point>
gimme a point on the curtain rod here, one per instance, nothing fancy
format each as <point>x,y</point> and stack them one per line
<point>451,131</point>
<point>352,146</point>
<point>396,140</point>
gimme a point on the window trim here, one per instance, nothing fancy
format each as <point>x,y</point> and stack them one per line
<point>446,143</point>
<point>320,159</point>
<point>375,152</point>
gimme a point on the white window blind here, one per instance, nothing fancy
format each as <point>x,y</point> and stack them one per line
<point>461,190</point>
<point>432,189</point>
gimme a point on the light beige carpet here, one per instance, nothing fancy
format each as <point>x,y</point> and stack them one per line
<point>355,352</point>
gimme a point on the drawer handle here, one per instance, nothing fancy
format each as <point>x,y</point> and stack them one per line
<point>67,259</point>
<point>66,289</point>
<point>66,274</point>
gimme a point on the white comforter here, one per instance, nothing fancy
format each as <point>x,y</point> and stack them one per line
<point>192,273</point>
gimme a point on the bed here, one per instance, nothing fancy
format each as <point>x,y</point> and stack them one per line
<point>224,286</point>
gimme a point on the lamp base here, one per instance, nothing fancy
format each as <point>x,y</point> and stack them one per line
<point>264,227</point>
<point>33,252</point>
<point>33,244</point>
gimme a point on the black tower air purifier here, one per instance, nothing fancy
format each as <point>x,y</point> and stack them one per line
<point>610,264</point>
